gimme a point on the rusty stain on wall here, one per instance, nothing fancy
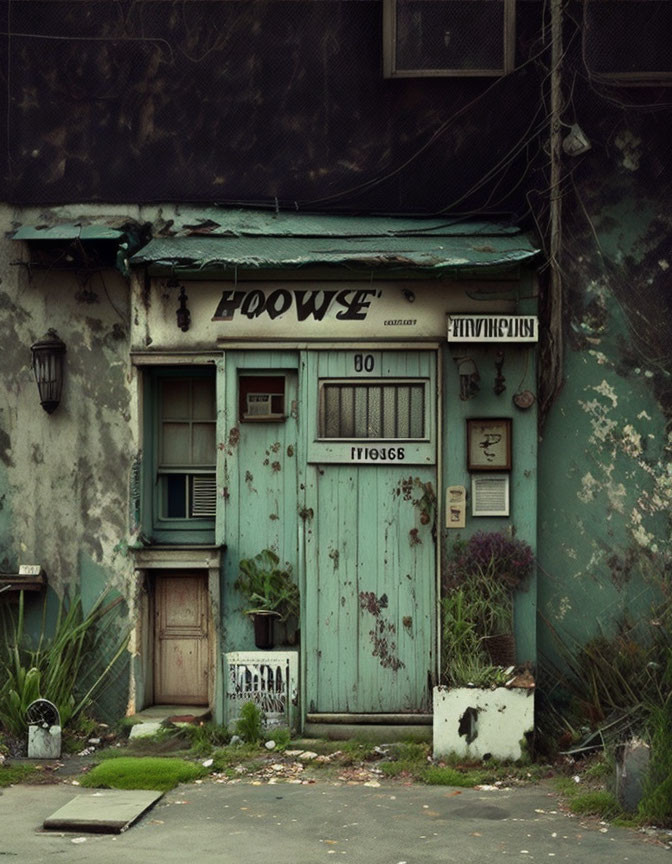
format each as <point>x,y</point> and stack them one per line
<point>384,647</point>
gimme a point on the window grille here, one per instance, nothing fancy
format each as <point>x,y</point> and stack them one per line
<point>186,461</point>
<point>367,409</point>
<point>448,37</point>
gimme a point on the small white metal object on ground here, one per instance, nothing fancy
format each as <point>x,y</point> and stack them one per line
<point>44,743</point>
<point>44,730</point>
<point>473,722</point>
<point>107,811</point>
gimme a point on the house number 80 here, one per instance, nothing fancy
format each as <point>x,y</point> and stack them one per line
<point>364,362</point>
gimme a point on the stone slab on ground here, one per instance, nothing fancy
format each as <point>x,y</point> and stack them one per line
<point>106,811</point>
<point>145,729</point>
<point>173,713</point>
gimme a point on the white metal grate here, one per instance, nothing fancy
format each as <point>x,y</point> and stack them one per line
<point>269,679</point>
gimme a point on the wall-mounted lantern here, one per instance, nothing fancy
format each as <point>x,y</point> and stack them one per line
<point>48,367</point>
<point>469,377</point>
<point>183,314</point>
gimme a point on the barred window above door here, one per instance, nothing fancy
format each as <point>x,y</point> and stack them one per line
<point>384,410</point>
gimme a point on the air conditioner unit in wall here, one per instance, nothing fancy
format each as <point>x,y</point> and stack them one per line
<point>433,38</point>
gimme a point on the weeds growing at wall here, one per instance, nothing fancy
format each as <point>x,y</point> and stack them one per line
<point>616,687</point>
<point>481,576</point>
<point>65,667</point>
<point>250,724</point>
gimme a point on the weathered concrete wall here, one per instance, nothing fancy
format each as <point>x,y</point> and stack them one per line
<point>605,468</point>
<point>250,100</point>
<point>64,477</point>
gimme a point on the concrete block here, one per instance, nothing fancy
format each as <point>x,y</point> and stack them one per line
<point>44,743</point>
<point>476,723</point>
<point>632,766</point>
<point>144,730</point>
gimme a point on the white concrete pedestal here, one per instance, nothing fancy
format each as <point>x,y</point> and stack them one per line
<point>476,723</point>
<point>44,743</point>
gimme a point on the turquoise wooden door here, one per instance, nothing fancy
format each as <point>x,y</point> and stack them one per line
<point>369,530</point>
<point>257,470</point>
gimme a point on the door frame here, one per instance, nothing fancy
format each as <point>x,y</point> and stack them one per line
<point>163,598</point>
<point>202,559</point>
<point>437,348</point>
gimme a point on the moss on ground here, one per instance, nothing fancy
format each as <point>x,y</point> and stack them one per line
<point>158,773</point>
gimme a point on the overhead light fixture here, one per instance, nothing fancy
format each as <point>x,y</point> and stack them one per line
<point>48,368</point>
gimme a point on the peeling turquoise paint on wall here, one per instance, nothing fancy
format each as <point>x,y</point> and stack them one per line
<point>605,457</point>
<point>519,371</point>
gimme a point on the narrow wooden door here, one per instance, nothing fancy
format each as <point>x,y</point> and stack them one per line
<point>259,469</point>
<point>181,646</point>
<point>369,532</point>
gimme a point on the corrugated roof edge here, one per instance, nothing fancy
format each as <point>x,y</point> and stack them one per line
<point>237,223</point>
<point>67,231</point>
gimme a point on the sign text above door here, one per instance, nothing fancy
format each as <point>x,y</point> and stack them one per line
<point>493,328</point>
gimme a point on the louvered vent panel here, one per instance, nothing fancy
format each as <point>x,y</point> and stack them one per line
<point>203,495</point>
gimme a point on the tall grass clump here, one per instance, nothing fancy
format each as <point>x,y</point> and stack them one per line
<point>65,667</point>
<point>618,686</point>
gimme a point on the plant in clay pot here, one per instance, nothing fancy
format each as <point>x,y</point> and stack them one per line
<point>270,594</point>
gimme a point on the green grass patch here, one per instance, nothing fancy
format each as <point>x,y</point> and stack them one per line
<point>566,786</point>
<point>600,768</point>
<point>160,774</point>
<point>11,774</point>
<point>595,803</point>
<point>592,802</point>
<point>437,775</point>
<point>237,754</point>
<point>281,736</point>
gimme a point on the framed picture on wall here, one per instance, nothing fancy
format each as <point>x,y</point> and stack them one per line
<point>489,444</point>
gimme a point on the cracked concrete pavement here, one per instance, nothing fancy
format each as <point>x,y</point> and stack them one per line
<point>283,823</point>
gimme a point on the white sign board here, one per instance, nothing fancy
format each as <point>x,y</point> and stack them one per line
<point>307,310</point>
<point>493,328</point>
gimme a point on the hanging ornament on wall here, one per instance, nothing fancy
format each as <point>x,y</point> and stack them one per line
<point>524,399</point>
<point>469,377</point>
<point>500,385</point>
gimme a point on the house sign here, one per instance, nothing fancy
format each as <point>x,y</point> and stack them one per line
<point>493,328</point>
<point>326,310</point>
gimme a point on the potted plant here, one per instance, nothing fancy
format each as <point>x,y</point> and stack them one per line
<point>487,569</point>
<point>478,649</point>
<point>270,594</point>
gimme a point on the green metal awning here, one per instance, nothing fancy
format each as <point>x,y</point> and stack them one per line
<point>67,232</point>
<point>252,241</point>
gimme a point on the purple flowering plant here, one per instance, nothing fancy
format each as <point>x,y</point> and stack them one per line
<point>490,556</point>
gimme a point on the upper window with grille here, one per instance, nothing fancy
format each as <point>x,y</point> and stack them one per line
<point>448,37</point>
<point>186,447</point>
<point>369,409</point>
